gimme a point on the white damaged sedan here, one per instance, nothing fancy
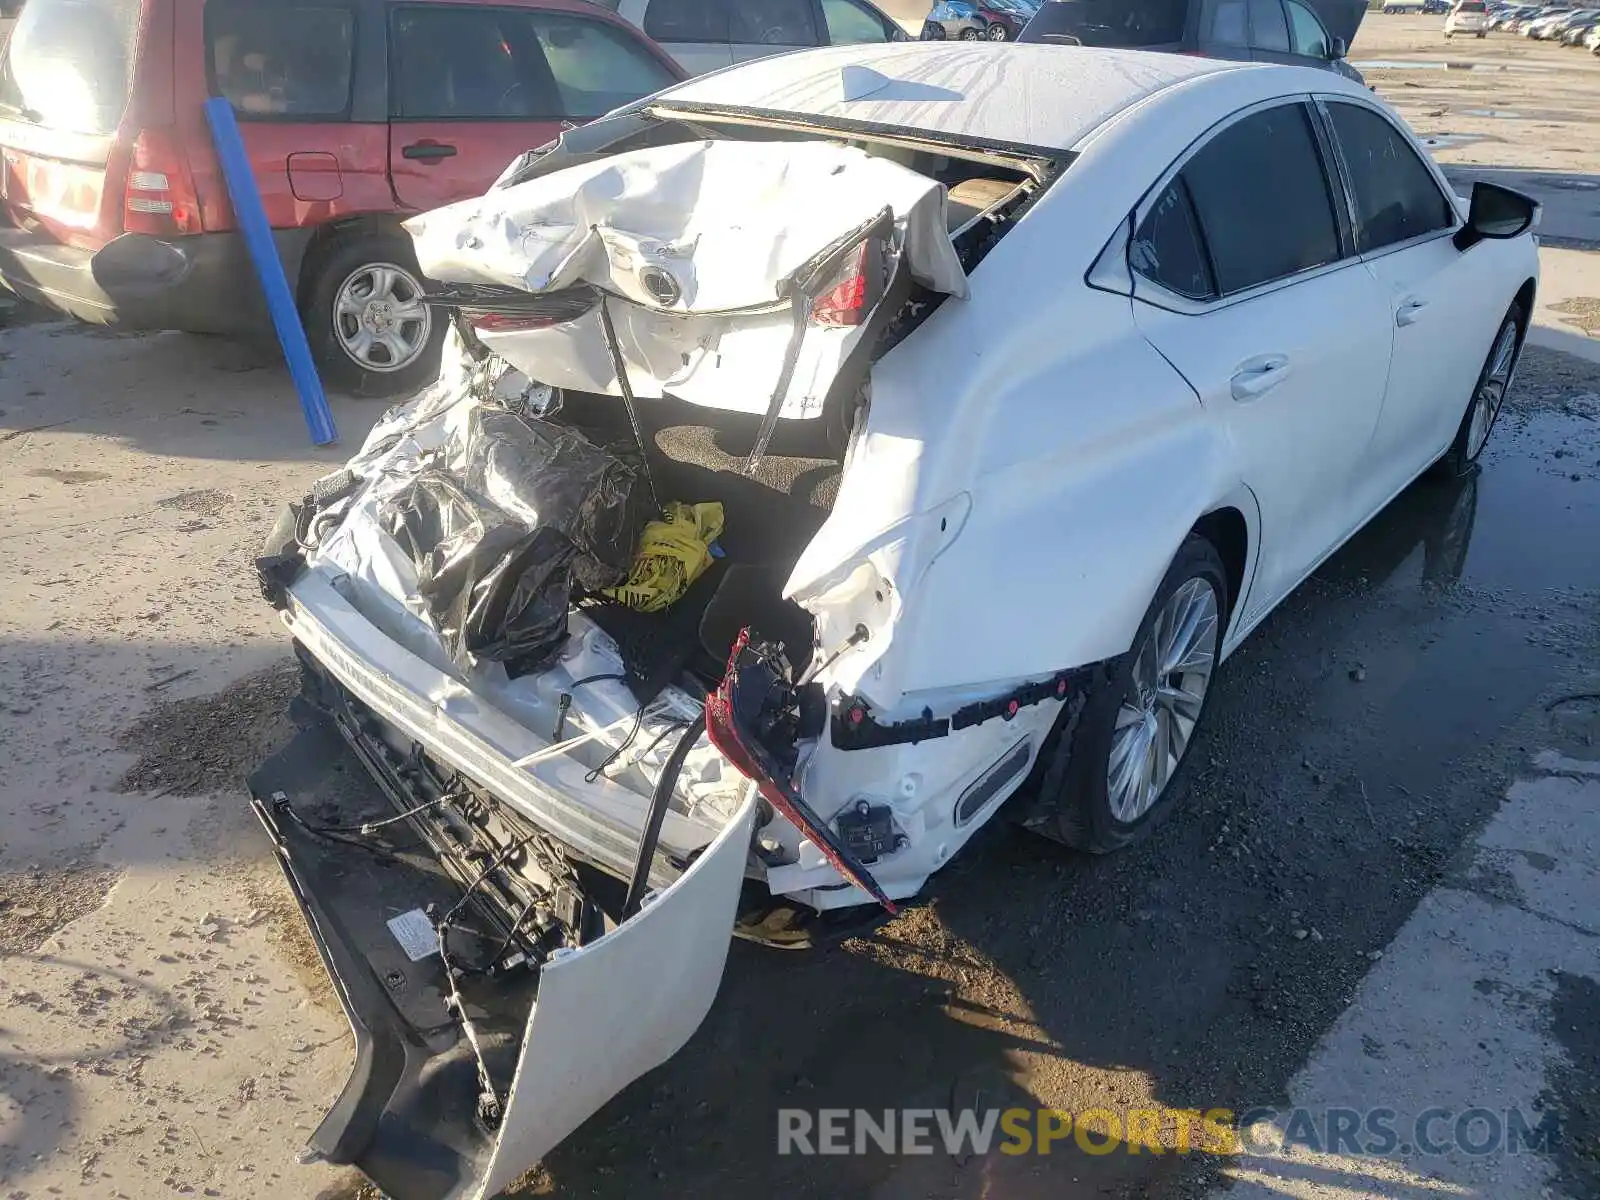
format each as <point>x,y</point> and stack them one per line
<point>1016,384</point>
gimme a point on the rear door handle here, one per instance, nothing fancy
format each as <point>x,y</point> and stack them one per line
<point>1258,376</point>
<point>1410,309</point>
<point>428,151</point>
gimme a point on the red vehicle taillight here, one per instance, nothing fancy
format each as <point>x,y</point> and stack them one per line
<point>159,196</point>
<point>855,291</point>
<point>505,323</point>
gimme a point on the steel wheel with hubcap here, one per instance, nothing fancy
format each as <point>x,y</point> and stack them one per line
<point>380,319</point>
<point>1106,776</point>
<point>1488,396</point>
<point>370,330</point>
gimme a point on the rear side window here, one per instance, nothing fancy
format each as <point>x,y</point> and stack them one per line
<point>455,62</point>
<point>1306,35</point>
<point>293,62</point>
<point>69,64</point>
<point>1268,29</point>
<point>772,23</point>
<point>1395,193</point>
<point>1262,199</point>
<point>1471,6</point>
<point>1109,22</point>
<point>687,20</point>
<point>1167,248</point>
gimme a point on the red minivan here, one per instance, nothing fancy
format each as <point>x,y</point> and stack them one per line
<point>355,113</point>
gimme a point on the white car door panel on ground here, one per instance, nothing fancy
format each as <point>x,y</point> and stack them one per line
<point>1294,367</point>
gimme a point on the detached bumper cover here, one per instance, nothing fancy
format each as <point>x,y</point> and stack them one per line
<point>567,1038</point>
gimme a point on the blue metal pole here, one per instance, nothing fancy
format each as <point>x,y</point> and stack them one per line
<point>252,218</point>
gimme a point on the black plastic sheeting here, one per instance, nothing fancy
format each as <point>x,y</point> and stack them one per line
<point>503,522</point>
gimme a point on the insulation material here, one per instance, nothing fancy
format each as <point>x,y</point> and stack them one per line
<point>699,246</point>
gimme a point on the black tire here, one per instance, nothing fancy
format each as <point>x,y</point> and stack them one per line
<point>331,268</point>
<point>1457,460</point>
<point>1073,803</point>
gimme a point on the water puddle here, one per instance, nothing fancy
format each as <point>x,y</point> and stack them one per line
<point>1442,141</point>
<point>1440,64</point>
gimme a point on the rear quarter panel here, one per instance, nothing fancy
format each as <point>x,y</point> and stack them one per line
<point>1080,457</point>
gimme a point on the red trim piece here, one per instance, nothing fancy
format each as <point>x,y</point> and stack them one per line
<point>723,731</point>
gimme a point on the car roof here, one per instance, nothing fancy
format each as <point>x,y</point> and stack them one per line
<point>1034,96</point>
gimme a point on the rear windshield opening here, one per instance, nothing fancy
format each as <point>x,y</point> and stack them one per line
<point>69,64</point>
<point>1126,23</point>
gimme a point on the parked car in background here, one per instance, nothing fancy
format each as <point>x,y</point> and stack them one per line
<point>955,20</point>
<point>354,114</point>
<point>707,35</point>
<point>1537,26</point>
<point>1577,34</point>
<point>1468,16</point>
<point>1302,32</point>
<point>1393,8</point>
<point>1006,18</point>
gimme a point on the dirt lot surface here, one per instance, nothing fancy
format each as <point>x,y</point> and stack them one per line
<point>165,1028</point>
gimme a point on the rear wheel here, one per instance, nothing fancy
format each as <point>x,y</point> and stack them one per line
<point>1494,381</point>
<point>998,32</point>
<point>1105,780</point>
<point>365,319</point>
<point>971,35</point>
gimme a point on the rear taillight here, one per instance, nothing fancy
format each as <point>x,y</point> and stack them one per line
<point>505,323</point>
<point>855,291</point>
<point>159,196</point>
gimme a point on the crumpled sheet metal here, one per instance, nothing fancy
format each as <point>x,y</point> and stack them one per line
<point>697,244</point>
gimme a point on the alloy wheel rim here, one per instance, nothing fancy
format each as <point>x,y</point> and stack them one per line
<point>1492,391</point>
<point>380,319</point>
<point>997,32</point>
<point>1171,674</point>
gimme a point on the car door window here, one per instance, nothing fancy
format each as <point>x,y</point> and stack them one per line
<point>596,66</point>
<point>457,62</point>
<point>1261,195</point>
<point>1396,196</point>
<point>1167,248</point>
<point>291,63</point>
<point>1268,29</point>
<point>851,24</point>
<point>687,20</point>
<point>515,63</point>
<point>772,23</point>
<point>1306,34</point>
<point>1230,23</point>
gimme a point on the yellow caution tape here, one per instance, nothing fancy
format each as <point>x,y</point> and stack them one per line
<point>672,553</point>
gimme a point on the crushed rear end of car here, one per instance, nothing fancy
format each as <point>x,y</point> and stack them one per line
<point>588,687</point>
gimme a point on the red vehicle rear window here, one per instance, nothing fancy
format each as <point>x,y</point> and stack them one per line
<point>69,64</point>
